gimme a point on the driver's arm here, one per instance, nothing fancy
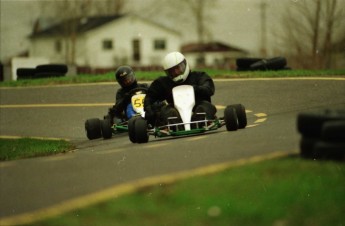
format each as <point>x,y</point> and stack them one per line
<point>205,87</point>
<point>122,98</point>
<point>153,95</point>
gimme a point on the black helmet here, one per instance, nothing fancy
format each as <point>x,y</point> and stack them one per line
<point>125,76</point>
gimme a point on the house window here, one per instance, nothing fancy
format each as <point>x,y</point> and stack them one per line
<point>107,44</point>
<point>159,44</point>
<point>58,46</point>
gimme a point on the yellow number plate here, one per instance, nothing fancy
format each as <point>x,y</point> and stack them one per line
<point>138,102</point>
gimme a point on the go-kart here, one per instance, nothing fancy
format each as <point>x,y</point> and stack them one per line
<point>97,128</point>
<point>184,100</point>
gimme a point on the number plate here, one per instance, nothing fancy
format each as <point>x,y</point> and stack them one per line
<point>138,102</point>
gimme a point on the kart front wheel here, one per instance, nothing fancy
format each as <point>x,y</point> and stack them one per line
<point>230,117</point>
<point>131,129</point>
<point>241,115</point>
<point>141,133</point>
<point>106,129</point>
<point>93,128</point>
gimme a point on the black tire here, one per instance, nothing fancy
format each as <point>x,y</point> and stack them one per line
<point>310,124</point>
<point>245,62</point>
<point>131,129</point>
<point>333,131</point>
<point>141,133</point>
<point>306,146</point>
<point>48,75</point>
<point>26,73</point>
<point>230,117</point>
<point>106,129</point>
<point>93,128</point>
<point>52,68</point>
<point>276,63</point>
<point>327,150</point>
<point>241,115</point>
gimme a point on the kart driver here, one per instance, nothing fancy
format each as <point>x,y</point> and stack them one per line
<point>178,73</point>
<point>123,110</point>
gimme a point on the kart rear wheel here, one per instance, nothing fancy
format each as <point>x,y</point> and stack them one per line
<point>230,117</point>
<point>93,128</point>
<point>141,134</point>
<point>106,129</point>
<point>131,129</point>
<point>241,115</point>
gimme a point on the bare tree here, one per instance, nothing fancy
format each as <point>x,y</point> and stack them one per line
<point>311,29</point>
<point>192,15</point>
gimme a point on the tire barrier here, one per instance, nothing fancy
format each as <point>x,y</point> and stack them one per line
<point>261,64</point>
<point>42,71</point>
<point>323,134</point>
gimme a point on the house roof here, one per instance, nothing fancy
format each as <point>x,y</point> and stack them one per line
<point>209,47</point>
<point>83,24</point>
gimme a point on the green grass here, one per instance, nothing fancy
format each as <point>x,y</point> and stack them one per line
<point>11,149</point>
<point>286,191</point>
<point>150,75</point>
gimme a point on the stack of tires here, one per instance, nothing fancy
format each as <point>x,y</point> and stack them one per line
<point>261,64</point>
<point>42,71</point>
<point>323,134</point>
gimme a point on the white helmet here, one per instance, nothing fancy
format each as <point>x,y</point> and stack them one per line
<point>176,66</point>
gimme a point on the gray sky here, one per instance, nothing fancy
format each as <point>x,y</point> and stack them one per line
<point>235,22</point>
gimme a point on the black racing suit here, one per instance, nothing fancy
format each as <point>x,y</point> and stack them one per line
<point>122,99</point>
<point>161,89</point>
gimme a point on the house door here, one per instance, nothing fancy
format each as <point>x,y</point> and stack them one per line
<point>136,50</point>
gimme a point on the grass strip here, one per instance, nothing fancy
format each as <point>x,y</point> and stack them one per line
<point>286,191</point>
<point>11,149</point>
<point>151,75</point>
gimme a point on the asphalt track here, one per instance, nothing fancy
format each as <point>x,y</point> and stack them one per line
<point>99,169</point>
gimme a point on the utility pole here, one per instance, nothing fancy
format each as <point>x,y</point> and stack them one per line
<point>263,47</point>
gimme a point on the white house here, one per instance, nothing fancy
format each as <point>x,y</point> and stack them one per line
<point>106,42</point>
<point>212,54</point>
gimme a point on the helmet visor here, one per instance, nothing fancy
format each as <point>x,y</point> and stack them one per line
<point>127,80</point>
<point>177,70</point>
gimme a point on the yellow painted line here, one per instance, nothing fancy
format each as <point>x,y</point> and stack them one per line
<point>59,157</point>
<point>220,107</point>
<point>260,115</point>
<point>260,120</point>
<point>253,125</point>
<point>6,164</point>
<point>341,78</point>
<point>155,145</point>
<point>126,188</point>
<point>199,137</point>
<point>38,138</point>
<point>109,151</point>
<point>55,105</point>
